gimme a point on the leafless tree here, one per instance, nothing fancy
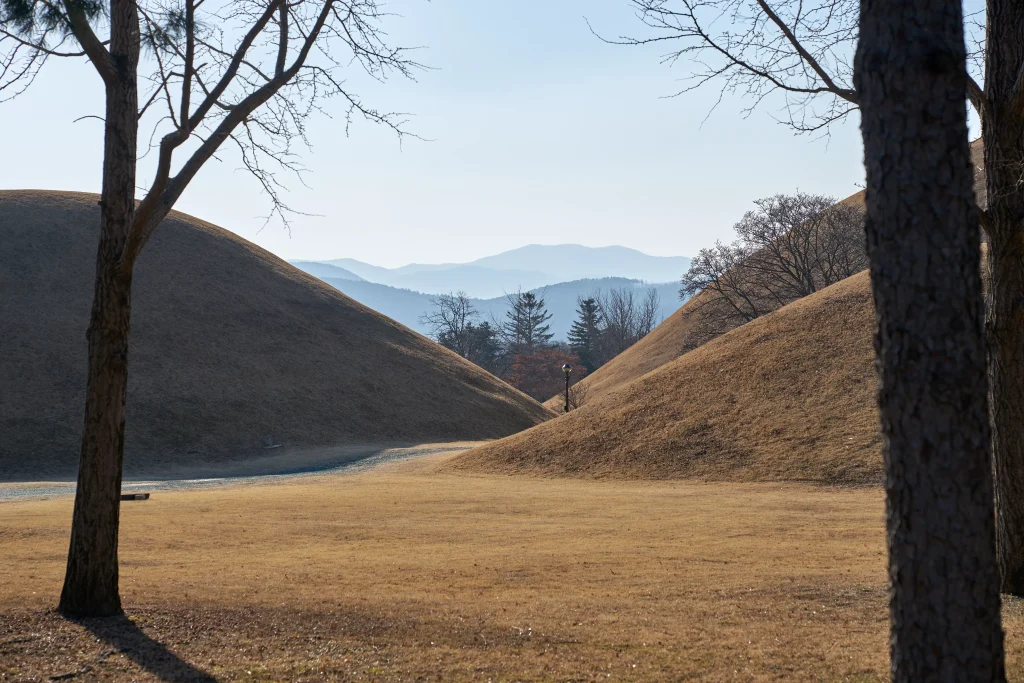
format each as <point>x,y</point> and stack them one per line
<point>199,73</point>
<point>648,315</point>
<point>790,246</point>
<point>800,243</point>
<point>625,318</point>
<point>451,321</point>
<point>802,51</point>
<point>725,294</point>
<point>618,309</point>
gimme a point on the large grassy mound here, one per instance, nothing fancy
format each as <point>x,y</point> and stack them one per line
<point>673,337</point>
<point>789,396</point>
<point>229,344</point>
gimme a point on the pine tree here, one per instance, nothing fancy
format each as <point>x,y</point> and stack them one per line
<point>585,332</point>
<point>483,346</point>
<point>525,329</point>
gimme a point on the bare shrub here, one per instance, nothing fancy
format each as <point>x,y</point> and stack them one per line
<point>578,394</point>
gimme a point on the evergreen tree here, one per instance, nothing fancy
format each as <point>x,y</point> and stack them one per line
<point>483,346</point>
<point>585,333</point>
<point>525,328</point>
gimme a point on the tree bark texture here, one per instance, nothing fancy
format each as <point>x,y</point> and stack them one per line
<point>924,252</point>
<point>1003,132</point>
<point>91,581</point>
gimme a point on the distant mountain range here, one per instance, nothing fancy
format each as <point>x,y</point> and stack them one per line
<point>567,262</point>
<point>561,273</point>
<point>528,267</point>
<point>325,271</point>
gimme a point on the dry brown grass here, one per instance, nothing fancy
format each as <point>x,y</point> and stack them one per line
<point>665,343</point>
<point>409,574</point>
<point>787,397</point>
<point>229,343</point>
<point>678,333</point>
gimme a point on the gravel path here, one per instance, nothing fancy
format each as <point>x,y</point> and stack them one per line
<point>23,491</point>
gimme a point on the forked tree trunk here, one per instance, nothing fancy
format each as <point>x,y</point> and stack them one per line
<point>924,253</point>
<point>91,581</point>
<point>1003,131</point>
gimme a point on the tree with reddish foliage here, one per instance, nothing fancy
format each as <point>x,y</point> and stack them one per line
<point>539,374</point>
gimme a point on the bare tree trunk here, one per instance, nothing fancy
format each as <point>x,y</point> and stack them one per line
<point>1003,129</point>
<point>924,253</point>
<point>1006,368</point>
<point>91,581</point>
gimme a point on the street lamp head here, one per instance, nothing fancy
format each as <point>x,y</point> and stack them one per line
<point>567,368</point>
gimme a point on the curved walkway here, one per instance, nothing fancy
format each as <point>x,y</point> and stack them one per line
<point>367,458</point>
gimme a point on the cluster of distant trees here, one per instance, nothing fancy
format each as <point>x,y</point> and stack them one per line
<point>609,323</point>
<point>788,247</point>
<point>520,349</point>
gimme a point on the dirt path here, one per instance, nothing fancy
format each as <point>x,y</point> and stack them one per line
<point>272,469</point>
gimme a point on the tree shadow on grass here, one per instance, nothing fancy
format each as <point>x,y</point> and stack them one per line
<point>122,634</point>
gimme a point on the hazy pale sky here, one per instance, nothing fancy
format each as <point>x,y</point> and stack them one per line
<point>538,133</point>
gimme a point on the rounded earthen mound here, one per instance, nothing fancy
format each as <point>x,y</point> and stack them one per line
<point>787,397</point>
<point>229,344</point>
<point>674,336</point>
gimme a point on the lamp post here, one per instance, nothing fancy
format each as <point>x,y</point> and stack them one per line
<point>567,369</point>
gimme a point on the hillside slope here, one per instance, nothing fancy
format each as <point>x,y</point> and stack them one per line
<point>229,344</point>
<point>665,343</point>
<point>789,396</point>
<point>669,341</point>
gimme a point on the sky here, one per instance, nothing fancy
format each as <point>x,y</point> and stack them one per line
<point>534,132</point>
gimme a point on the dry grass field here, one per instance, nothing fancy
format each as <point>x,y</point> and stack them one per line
<point>410,573</point>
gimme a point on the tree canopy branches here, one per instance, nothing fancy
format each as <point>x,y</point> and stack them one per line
<point>788,247</point>
<point>249,71</point>
<point>800,50</point>
<point>753,48</point>
<point>246,71</point>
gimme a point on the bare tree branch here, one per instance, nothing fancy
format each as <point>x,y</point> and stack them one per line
<point>976,96</point>
<point>801,51</point>
<point>282,43</point>
<point>41,46</point>
<point>847,94</point>
<point>249,71</point>
<point>789,247</point>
